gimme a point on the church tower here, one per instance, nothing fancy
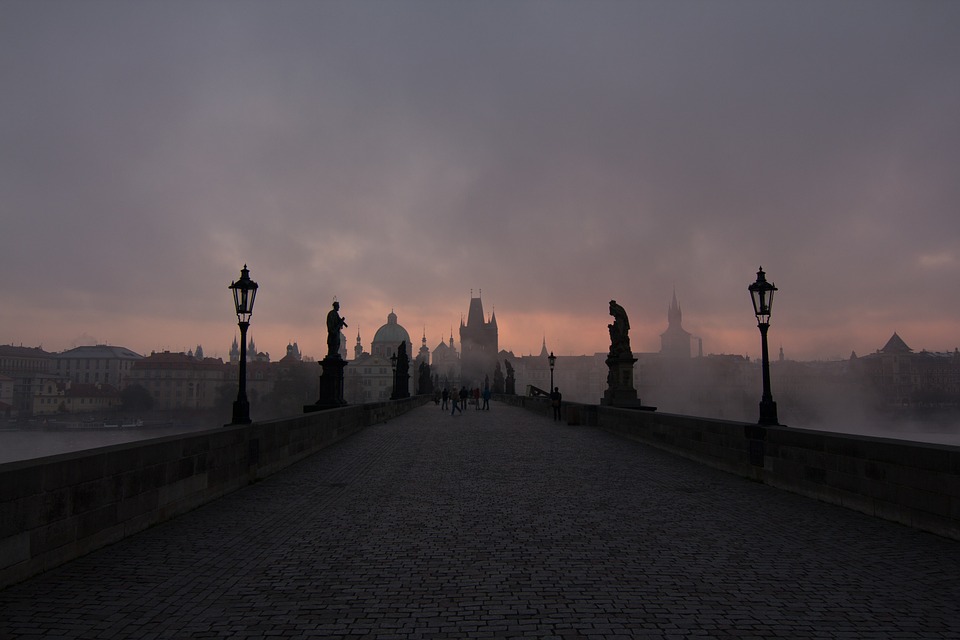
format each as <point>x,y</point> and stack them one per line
<point>479,344</point>
<point>675,341</point>
<point>358,350</point>
<point>424,354</point>
<point>234,351</point>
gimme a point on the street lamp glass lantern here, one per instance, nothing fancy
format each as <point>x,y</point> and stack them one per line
<point>244,293</point>
<point>762,292</point>
<point>553,360</point>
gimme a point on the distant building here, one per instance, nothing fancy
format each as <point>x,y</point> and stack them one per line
<point>423,357</point>
<point>252,354</point>
<point>675,341</point>
<point>388,337</point>
<point>28,368</point>
<point>71,397</point>
<point>180,381</point>
<point>479,344</point>
<point>900,377</point>
<point>369,376</point>
<point>97,364</point>
<point>446,365</point>
<point>6,396</point>
<point>293,354</point>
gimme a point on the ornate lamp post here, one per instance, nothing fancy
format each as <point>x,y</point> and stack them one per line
<point>553,361</point>
<point>244,293</point>
<point>762,292</point>
<point>393,366</point>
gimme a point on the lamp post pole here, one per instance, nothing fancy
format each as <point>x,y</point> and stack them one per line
<point>768,408</point>
<point>553,361</point>
<point>241,406</point>
<point>762,292</point>
<point>244,293</point>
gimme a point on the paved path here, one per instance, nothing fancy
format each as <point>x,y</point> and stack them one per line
<point>502,524</point>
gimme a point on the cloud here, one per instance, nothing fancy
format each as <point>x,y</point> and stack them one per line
<point>554,155</point>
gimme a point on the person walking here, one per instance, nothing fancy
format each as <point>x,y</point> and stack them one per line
<point>455,405</point>
<point>555,398</point>
<point>445,396</point>
<point>476,397</point>
<point>464,395</point>
<point>486,398</point>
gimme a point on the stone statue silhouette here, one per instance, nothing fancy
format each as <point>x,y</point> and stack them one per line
<point>334,324</point>
<point>402,373</point>
<point>510,382</point>
<point>619,332</point>
<point>498,382</point>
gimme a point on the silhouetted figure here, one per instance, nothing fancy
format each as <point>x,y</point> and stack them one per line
<point>401,381</point>
<point>424,381</point>
<point>486,398</point>
<point>555,398</point>
<point>334,324</point>
<point>445,396</point>
<point>455,399</point>
<point>498,385</point>
<point>620,390</point>
<point>619,331</point>
<point>511,382</point>
<point>476,398</point>
<point>464,395</point>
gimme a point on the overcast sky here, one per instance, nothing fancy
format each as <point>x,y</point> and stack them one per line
<point>554,155</point>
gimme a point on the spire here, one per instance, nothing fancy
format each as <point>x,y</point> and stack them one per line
<point>543,349</point>
<point>674,315</point>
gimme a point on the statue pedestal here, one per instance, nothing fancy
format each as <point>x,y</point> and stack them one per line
<point>620,390</point>
<point>331,385</point>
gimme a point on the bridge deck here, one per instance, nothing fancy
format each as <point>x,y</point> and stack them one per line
<point>502,524</point>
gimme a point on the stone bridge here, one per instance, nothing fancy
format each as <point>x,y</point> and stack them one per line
<point>489,524</point>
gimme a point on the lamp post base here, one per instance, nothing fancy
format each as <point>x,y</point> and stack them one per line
<point>241,413</point>
<point>768,413</point>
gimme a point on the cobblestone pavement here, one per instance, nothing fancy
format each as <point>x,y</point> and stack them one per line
<point>502,524</point>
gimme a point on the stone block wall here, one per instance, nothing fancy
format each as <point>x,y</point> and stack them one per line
<point>57,508</point>
<point>913,483</point>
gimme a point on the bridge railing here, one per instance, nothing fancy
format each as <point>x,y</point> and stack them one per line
<point>913,483</point>
<point>57,508</point>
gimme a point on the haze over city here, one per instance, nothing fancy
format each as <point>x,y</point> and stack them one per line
<point>554,155</point>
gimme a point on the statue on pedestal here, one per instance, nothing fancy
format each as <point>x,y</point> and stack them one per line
<point>620,390</point>
<point>334,324</point>
<point>498,384</point>
<point>619,332</point>
<point>511,382</point>
<point>401,380</point>
<point>331,372</point>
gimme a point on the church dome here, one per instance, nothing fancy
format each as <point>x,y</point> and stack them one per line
<point>390,336</point>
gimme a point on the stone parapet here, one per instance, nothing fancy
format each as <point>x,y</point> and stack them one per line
<point>913,483</point>
<point>57,508</point>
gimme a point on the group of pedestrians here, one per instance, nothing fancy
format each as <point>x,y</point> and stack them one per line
<point>458,399</point>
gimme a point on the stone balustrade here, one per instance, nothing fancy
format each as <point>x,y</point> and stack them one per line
<point>57,508</point>
<point>914,483</point>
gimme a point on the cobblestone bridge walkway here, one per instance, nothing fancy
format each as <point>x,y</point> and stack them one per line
<point>502,524</point>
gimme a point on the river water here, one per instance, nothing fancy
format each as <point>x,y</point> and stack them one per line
<point>29,441</point>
